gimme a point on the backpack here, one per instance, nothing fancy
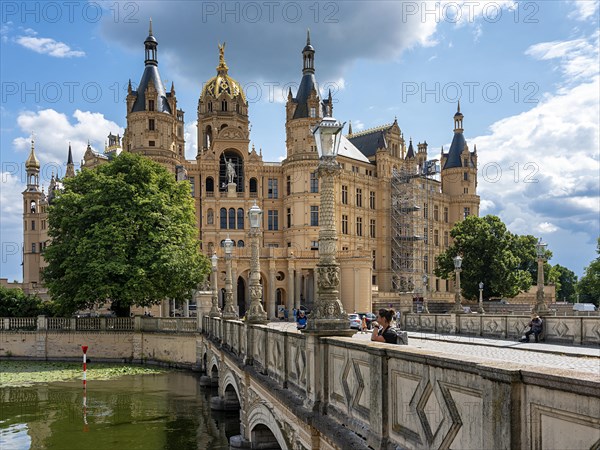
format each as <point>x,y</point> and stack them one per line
<point>401,336</point>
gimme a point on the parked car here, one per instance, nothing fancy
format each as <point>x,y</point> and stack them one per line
<point>354,320</point>
<point>370,317</point>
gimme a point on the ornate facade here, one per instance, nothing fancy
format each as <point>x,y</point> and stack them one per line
<point>228,176</point>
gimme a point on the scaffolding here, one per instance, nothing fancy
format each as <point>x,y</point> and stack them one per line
<point>411,231</point>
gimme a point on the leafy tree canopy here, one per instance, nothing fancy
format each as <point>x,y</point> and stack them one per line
<point>15,303</point>
<point>504,262</point>
<point>588,287</point>
<point>123,232</point>
<point>565,281</point>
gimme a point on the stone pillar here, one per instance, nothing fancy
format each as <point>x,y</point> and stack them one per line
<point>256,313</point>
<point>291,302</point>
<point>272,291</point>
<point>298,285</point>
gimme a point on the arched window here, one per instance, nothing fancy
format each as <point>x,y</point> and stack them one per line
<point>223,219</point>
<point>33,206</point>
<point>241,244</point>
<point>240,219</point>
<point>253,185</point>
<point>237,175</point>
<point>224,105</point>
<point>209,106</point>
<point>210,217</point>
<point>210,184</point>
<point>232,218</point>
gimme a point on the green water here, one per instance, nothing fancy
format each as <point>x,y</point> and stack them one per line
<point>168,410</point>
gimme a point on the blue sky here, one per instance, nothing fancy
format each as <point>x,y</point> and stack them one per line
<point>527,75</point>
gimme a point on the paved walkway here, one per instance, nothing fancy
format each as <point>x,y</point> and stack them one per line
<point>557,356</point>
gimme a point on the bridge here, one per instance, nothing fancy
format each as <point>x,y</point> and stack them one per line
<point>302,390</point>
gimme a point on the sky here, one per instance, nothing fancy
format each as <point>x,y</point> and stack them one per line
<point>526,74</point>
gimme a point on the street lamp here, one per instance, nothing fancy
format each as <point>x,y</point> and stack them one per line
<point>481,310</point>
<point>256,314</point>
<point>457,301</point>
<point>328,312</point>
<point>425,305</point>
<point>540,302</point>
<point>215,311</point>
<point>229,311</point>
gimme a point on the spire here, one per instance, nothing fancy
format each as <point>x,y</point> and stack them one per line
<point>458,120</point>
<point>150,44</point>
<point>222,67</point>
<point>350,128</point>
<point>411,150</point>
<point>32,161</point>
<point>70,157</point>
<point>308,55</point>
<point>172,88</point>
<point>458,111</point>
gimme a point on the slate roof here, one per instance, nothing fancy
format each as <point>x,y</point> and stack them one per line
<point>456,149</point>
<point>151,73</point>
<point>370,141</point>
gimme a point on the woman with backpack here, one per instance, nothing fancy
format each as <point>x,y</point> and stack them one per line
<point>382,328</point>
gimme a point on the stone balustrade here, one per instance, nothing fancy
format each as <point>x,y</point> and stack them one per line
<point>578,330</point>
<point>316,391</point>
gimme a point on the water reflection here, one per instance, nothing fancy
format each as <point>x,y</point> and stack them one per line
<point>164,411</point>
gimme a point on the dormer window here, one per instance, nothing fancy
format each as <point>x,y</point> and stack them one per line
<point>150,105</point>
<point>210,107</point>
<point>224,105</point>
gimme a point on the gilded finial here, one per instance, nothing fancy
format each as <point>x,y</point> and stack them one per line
<point>222,63</point>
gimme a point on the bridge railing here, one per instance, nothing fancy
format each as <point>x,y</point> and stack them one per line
<point>578,330</point>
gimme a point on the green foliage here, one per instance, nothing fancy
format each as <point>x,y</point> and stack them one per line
<point>123,232</point>
<point>588,287</point>
<point>565,281</point>
<point>504,262</point>
<point>15,303</point>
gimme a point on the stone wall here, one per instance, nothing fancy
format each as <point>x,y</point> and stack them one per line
<point>314,391</point>
<point>561,329</point>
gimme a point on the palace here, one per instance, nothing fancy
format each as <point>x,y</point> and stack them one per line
<point>394,204</point>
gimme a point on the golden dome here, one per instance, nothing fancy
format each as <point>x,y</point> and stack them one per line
<point>32,162</point>
<point>223,83</point>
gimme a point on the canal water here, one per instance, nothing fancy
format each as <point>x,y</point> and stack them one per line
<point>153,411</point>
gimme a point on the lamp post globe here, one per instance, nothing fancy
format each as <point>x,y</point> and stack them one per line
<point>540,301</point>
<point>229,311</point>
<point>457,309</point>
<point>328,313</point>
<point>256,312</point>
<point>215,311</point>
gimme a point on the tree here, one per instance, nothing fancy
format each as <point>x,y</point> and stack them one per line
<point>588,287</point>
<point>565,281</point>
<point>503,261</point>
<point>15,303</point>
<point>123,232</point>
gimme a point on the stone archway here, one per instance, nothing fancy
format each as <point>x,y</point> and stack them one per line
<point>264,430</point>
<point>241,296</point>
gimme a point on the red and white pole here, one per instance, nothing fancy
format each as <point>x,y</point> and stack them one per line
<point>85,426</point>
<point>84,348</point>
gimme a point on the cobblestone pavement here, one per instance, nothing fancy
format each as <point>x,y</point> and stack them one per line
<point>566,357</point>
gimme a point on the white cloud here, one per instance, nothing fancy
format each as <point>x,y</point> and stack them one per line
<point>10,208</point>
<point>539,169</point>
<point>547,227</point>
<point>584,9</point>
<point>578,57</point>
<point>53,131</point>
<point>48,46</point>
<point>191,140</point>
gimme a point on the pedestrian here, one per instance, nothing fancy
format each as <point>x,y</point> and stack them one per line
<point>295,313</point>
<point>363,324</point>
<point>536,326</point>
<point>301,320</point>
<point>382,328</point>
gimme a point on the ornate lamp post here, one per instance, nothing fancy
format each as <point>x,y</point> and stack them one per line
<point>328,313</point>
<point>540,302</point>
<point>481,310</point>
<point>229,311</point>
<point>425,305</point>
<point>215,311</point>
<point>256,314</point>
<point>457,300</point>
